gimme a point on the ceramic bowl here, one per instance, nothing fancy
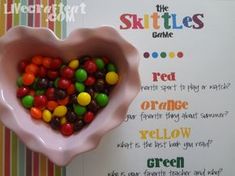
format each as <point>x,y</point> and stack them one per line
<point>24,42</point>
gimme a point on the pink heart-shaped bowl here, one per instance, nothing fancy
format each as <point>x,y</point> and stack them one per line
<point>24,42</point>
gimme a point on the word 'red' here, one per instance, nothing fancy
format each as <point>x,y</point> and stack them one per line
<point>163,76</point>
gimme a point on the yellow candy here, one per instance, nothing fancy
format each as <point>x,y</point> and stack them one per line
<point>74,64</point>
<point>111,78</point>
<point>46,115</point>
<point>60,111</point>
<point>84,98</point>
<point>63,120</point>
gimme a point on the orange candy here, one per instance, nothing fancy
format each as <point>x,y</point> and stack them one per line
<point>37,60</point>
<point>28,79</point>
<point>31,68</point>
<point>51,105</point>
<point>46,62</point>
<point>64,101</point>
<point>36,113</point>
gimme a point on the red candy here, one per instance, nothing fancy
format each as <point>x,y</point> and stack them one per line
<point>67,129</point>
<point>40,101</point>
<point>37,60</point>
<point>55,63</point>
<point>42,72</point>
<point>64,83</point>
<point>46,62</point>
<point>67,72</point>
<point>71,89</point>
<point>106,60</point>
<point>89,116</point>
<point>22,65</point>
<point>50,93</point>
<point>22,91</point>
<point>90,66</point>
<point>51,74</point>
<point>31,92</point>
<point>90,81</point>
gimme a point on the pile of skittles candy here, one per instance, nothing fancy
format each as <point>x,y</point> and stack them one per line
<point>66,96</point>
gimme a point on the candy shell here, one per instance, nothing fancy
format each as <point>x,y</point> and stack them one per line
<point>40,101</point>
<point>31,68</point>
<point>40,92</point>
<point>89,116</point>
<point>99,63</point>
<point>19,81</point>
<point>67,72</point>
<point>67,129</point>
<point>22,65</point>
<point>27,101</point>
<point>71,89</point>
<point>36,113</point>
<point>63,120</point>
<point>80,75</point>
<point>50,93</point>
<point>64,83</point>
<point>60,94</point>
<point>90,66</point>
<point>55,123</point>
<point>89,81</point>
<point>51,105</point>
<point>80,87</point>
<point>111,67</point>
<point>42,83</point>
<point>78,125</point>
<point>37,60</point>
<point>74,64</point>
<point>64,101</point>
<point>102,99</point>
<point>46,115</point>
<point>55,63</point>
<point>60,111</point>
<point>28,79</point>
<point>52,74</point>
<point>71,117</point>
<point>84,98</point>
<point>22,91</point>
<point>46,62</point>
<point>111,78</point>
<point>79,110</point>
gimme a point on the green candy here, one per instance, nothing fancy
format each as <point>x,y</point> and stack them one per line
<point>80,75</point>
<point>27,101</point>
<point>35,84</point>
<point>19,81</point>
<point>79,87</point>
<point>99,63</point>
<point>56,82</point>
<point>79,110</point>
<point>111,68</point>
<point>102,99</point>
<point>40,92</point>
